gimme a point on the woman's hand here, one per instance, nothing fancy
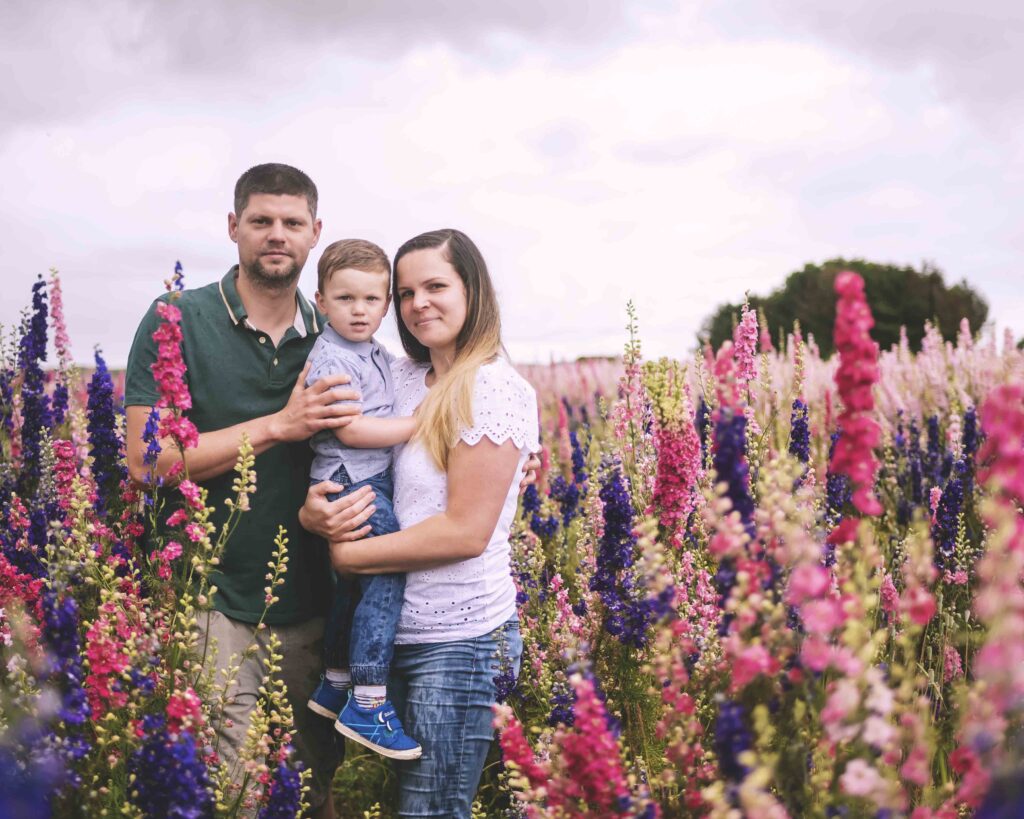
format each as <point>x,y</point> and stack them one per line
<point>530,471</point>
<point>337,521</point>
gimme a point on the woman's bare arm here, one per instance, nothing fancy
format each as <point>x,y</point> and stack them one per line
<point>479,478</point>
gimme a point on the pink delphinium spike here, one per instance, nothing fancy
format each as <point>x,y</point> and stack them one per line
<point>934,496</point>
<point>919,575</point>
<point>1001,456</point>
<point>952,664</point>
<point>65,471</point>
<point>109,643</point>
<point>585,776</point>
<point>766,334</point>
<point>184,711</point>
<point>589,756</point>
<point>516,750</point>
<point>964,338</point>
<point>745,339</point>
<point>61,342</point>
<point>566,629</point>
<point>564,445</point>
<point>709,356</point>
<point>679,467</point>
<point>726,387</point>
<point>857,374</point>
<point>997,687</point>
<point>545,469</point>
<point>696,596</point>
<point>904,344</point>
<point>169,371</point>
<point>954,432</point>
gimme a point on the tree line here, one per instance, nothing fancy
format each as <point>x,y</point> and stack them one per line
<point>898,297</point>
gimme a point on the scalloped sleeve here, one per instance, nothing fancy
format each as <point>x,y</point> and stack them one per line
<point>504,407</point>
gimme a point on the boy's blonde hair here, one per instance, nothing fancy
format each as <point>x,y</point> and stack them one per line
<point>357,254</point>
<point>448,407</point>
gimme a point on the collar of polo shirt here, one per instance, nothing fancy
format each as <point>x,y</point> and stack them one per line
<point>305,316</point>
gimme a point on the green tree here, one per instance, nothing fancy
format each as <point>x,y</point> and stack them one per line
<point>898,296</point>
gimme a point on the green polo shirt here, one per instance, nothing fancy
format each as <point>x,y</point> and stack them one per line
<point>235,374</point>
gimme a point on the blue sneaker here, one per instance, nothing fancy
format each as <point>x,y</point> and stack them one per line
<point>378,729</point>
<point>326,700</point>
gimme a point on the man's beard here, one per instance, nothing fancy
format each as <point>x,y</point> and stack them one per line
<point>273,281</point>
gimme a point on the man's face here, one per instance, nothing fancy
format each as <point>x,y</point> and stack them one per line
<point>274,235</point>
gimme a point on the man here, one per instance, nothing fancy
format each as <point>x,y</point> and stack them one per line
<point>245,342</point>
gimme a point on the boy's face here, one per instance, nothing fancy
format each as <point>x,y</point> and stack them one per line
<point>355,302</point>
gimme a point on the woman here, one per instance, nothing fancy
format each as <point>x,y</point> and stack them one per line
<point>456,487</point>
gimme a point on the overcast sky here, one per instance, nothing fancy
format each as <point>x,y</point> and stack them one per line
<point>676,154</point>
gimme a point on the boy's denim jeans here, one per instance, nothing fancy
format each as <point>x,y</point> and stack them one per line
<point>360,629</point>
<point>443,693</point>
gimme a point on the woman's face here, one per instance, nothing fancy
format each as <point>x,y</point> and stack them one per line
<point>431,299</point>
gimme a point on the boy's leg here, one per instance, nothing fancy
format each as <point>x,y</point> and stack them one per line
<point>339,622</point>
<point>368,718</point>
<point>375,619</point>
<point>330,695</point>
<point>346,595</point>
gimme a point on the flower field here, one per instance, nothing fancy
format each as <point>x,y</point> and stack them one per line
<point>752,583</point>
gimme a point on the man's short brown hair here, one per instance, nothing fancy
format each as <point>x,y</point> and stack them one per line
<point>357,254</point>
<point>277,179</point>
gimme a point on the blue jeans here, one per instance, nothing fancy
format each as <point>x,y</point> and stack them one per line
<point>360,629</point>
<point>443,693</point>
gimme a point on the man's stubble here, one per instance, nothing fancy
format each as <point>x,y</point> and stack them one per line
<point>274,282</point>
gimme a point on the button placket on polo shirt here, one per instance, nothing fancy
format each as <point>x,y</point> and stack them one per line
<point>274,366</point>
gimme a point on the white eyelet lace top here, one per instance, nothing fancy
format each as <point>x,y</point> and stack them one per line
<point>472,597</point>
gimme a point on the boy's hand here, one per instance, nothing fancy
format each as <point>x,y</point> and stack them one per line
<point>311,409</point>
<point>529,472</point>
<point>340,520</point>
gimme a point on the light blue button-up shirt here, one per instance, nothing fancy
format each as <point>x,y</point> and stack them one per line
<point>369,366</point>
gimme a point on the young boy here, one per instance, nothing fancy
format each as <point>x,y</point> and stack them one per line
<point>353,280</point>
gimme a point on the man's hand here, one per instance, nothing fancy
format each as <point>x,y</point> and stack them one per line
<point>340,520</point>
<point>530,471</point>
<point>311,409</point>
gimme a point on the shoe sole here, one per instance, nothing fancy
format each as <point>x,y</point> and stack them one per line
<point>348,733</point>
<point>317,708</point>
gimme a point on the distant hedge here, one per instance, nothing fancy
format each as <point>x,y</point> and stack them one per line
<point>898,296</point>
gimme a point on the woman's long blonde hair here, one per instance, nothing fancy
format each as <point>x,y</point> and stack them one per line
<point>448,407</point>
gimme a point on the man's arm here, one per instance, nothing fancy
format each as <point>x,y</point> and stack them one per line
<point>367,432</point>
<point>309,410</point>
